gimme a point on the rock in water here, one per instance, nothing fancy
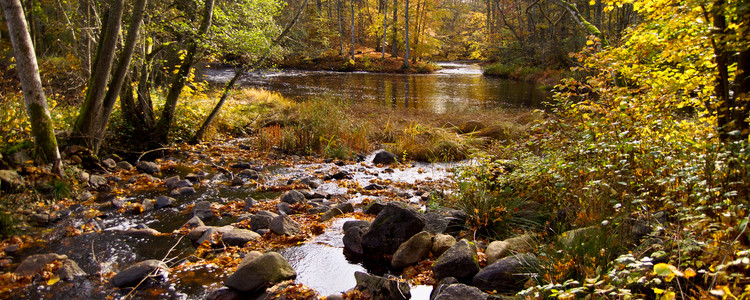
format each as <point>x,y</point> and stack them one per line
<point>257,272</point>
<point>413,250</point>
<point>148,167</point>
<point>284,225</point>
<point>507,274</point>
<point>381,288</point>
<point>70,270</point>
<point>293,197</point>
<point>384,158</point>
<point>391,227</point>
<point>239,237</point>
<point>353,240</point>
<point>147,269</point>
<point>460,291</point>
<point>34,264</point>
<point>164,201</point>
<point>460,261</point>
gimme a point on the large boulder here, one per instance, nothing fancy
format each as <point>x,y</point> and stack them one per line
<point>34,264</point>
<point>460,291</point>
<point>260,221</point>
<point>508,274</point>
<point>148,270</point>
<point>460,261</point>
<point>284,225</point>
<point>202,210</point>
<point>70,270</point>
<point>435,223</point>
<point>353,240</point>
<point>413,250</point>
<point>441,243</point>
<point>520,244</point>
<point>293,197</point>
<point>374,208</point>
<point>384,158</point>
<point>380,288</point>
<point>391,227</point>
<point>257,272</point>
<point>239,237</point>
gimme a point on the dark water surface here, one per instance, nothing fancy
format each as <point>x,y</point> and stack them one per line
<point>458,86</point>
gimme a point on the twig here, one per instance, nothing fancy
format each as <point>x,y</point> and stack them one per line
<point>96,260</point>
<point>149,151</point>
<point>154,272</point>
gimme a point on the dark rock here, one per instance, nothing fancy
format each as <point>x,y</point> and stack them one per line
<point>353,240</point>
<point>208,235</point>
<point>460,261</point>
<point>435,223</point>
<point>374,208</point>
<point>311,182</point>
<point>34,264</point>
<point>441,243</point>
<point>109,163</point>
<point>259,221</point>
<point>202,210</point>
<point>148,167</point>
<point>11,249</point>
<point>330,214</point>
<point>70,270</point>
<point>171,181</point>
<point>118,203</point>
<point>124,165</point>
<point>284,208</point>
<point>362,224</point>
<point>250,174</point>
<point>249,203</point>
<point>460,291</point>
<point>381,288</point>
<point>194,178</point>
<point>456,221</point>
<point>194,222</point>
<point>183,191</point>
<point>391,227</point>
<point>374,187</point>
<point>141,231</point>
<point>444,283</point>
<point>507,274</point>
<point>154,270</point>
<point>84,196</point>
<point>293,197</point>
<point>344,207</point>
<point>239,237</point>
<point>226,294</point>
<point>164,201</point>
<point>284,225</point>
<point>520,244</point>
<point>237,181</point>
<point>384,158</point>
<point>256,273</point>
<point>241,165</point>
<point>148,204</point>
<point>183,183</point>
<point>318,208</point>
<point>339,175</point>
<point>414,250</point>
<point>244,217</point>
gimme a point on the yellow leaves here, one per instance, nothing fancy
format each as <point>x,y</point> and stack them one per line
<point>664,295</point>
<point>668,271</point>
<point>53,280</point>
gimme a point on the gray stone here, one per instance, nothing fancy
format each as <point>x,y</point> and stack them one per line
<point>183,191</point>
<point>34,264</point>
<point>202,210</point>
<point>435,223</point>
<point>143,231</point>
<point>258,272</point>
<point>520,244</point>
<point>391,227</point>
<point>293,197</point>
<point>226,294</point>
<point>84,196</point>
<point>284,208</point>
<point>84,177</point>
<point>239,237</point>
<point>353,240</point>
<point>330,214</point>
<point>148,204</point>
<point>250,174</point>
<point>148,167</point>
<point>147,270</point>
<point>109,163</point>
<point>508,274</point>
<point>444,283</point>
<point>356,223</point>
<point>345,207</point>
<point>284,225</point>
<point>118,203</point>
<point>384,158</point>
<point>164,201</point>
<point>244,217</point>
<point>460,291</point>
<point>441,243</point>
<point>70,270</point>
<point>460,261</point>
<point>171,181</point>
<point>318,208</point>
<point>124,165</point>
<point>414,250</point>
<point>381,288</point>
<point>237,181</point>
<point>259,221</point>
<point>97,181</point>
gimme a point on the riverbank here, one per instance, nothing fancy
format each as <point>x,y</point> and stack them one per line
<point>545,78</point>
<point>365,60</point>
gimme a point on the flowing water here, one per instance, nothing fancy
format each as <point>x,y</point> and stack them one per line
<point>457,86</point>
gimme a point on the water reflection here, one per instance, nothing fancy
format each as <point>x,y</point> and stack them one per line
<point>457,86</point>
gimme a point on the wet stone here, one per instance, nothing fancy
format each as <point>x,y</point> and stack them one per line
<point>381,288</point>
<point>109,163</point>
<point>293,197</point>
<point>183,191</point>
<point>284,208</point>
<point>70,270</point>
<point>171,182</point>
<point>460,261</point>
<point>84,196</point>
<point>151,270</point>
<point>34,264</point>
<point>239,237</point>
<point>374,208</point>
<point>148,205</point>
<point>148,167</point>
<point>202,210</point>
<point>124,165</point>
<point>254,273</point>
<point>164,201</point>
<point>384,158</point>
<point>194,222</point>
<point>284,225</point>
<point>330,214</point>
<point>97,181</point>
<point>259,221</point>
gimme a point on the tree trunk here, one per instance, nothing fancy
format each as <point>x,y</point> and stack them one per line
<point>179,81</point>
<point>33,93</point>
<point>353,19</point>
<point>394,41</point>
<point>385,25</point>
<point>120,73</point>
<point>85,127</point>
<point>406,35</point>
<point>341,31</point>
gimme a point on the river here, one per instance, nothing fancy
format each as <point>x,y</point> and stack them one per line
<point>458,85</point>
